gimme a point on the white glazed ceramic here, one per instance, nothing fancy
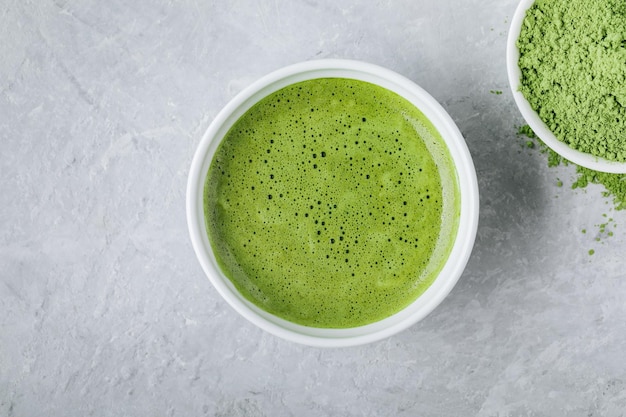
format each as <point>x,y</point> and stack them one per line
<point>468,223</point>
<point>532,118</point>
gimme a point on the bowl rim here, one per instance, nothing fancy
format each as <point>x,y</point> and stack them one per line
<point>466,178</point>
<point>530,115</point>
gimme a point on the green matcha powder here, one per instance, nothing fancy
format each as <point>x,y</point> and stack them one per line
<point>573,65</point>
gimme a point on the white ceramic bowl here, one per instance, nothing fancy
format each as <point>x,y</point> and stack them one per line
<point>532,118</point>
<point>466,174</point>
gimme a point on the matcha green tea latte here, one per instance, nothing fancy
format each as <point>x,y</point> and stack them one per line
<point>332,203</point>
<point>573,72</point>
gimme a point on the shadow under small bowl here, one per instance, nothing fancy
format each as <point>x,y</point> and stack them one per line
<point>466,177</point>
<point>530,115</point>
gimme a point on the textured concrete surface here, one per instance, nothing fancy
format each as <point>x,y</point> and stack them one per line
<point>104,310</point>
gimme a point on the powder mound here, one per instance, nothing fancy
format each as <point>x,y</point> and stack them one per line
<point>573,65</point>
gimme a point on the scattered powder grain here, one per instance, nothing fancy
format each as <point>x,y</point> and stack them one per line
<point>614,184</point>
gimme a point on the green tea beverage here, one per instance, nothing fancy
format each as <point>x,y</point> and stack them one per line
<point>332,203</point>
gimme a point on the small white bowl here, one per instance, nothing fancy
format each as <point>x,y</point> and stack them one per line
<point>466,176</point>
<point>532,118</point>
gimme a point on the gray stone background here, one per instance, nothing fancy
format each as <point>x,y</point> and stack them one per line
<point>104,309</point>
